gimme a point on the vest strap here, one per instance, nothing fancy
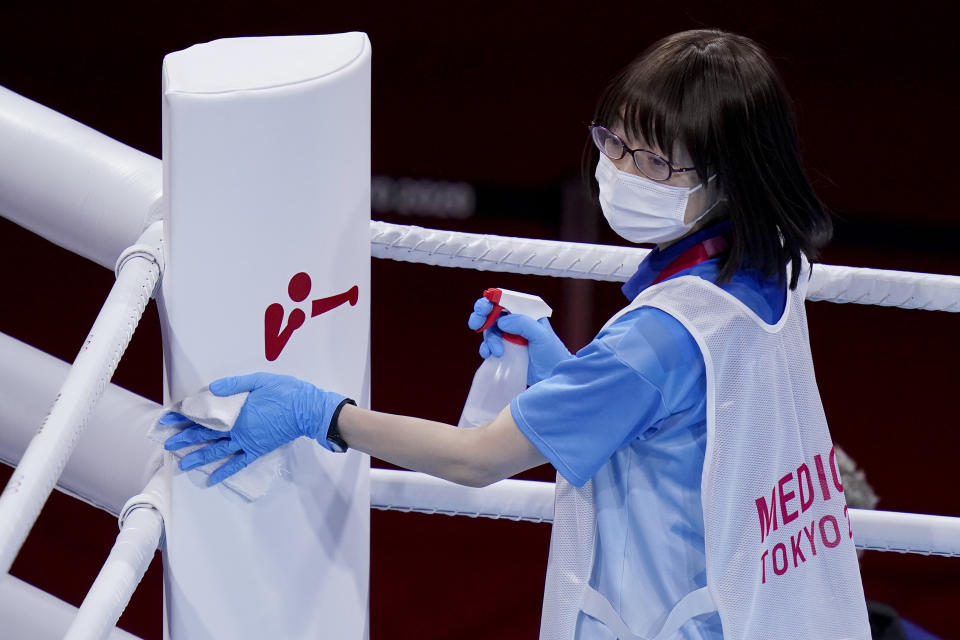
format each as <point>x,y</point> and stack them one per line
<point>695,603</point>
<point>594,604</point>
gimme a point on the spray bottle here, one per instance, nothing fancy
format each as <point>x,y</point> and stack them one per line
<point>500,380</point>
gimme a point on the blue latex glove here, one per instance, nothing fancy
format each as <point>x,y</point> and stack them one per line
<point>546,350</point>
<point>279,409</point>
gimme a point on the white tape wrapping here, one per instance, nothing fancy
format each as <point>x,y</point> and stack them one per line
<point>904,289</point>
<point>500,253</point>
<point>932,292</point>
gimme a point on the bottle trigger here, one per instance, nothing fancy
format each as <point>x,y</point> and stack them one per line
<point>491,319</point>
<point>493,295</point>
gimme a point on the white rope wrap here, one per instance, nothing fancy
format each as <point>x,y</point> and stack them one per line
<point>501,253</point>
<point>904,289</point>
<point>533,502</point>
<point>483,252</point>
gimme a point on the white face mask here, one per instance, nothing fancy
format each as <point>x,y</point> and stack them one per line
<point>641,210</point>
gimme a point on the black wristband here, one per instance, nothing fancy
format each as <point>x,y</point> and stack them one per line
<point>333,432</point>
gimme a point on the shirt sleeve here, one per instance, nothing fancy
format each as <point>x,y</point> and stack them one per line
<point>622,386</point>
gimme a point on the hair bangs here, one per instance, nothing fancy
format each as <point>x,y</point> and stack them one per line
<point>662,101</point>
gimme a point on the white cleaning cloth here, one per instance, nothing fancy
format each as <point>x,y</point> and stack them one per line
<point>220,413</point>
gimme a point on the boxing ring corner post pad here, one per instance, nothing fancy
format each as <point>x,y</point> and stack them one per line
<point>29,612</point>
<point>72,185</point>
<point>250,64</point>
<point>266,176</point>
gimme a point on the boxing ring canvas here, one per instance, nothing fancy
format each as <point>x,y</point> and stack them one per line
<point>258,251</point>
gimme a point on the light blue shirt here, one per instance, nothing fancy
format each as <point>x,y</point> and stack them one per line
<point>629,411</point>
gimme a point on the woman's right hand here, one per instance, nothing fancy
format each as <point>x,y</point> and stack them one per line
<point>278,410</point>
<point>546,350</point>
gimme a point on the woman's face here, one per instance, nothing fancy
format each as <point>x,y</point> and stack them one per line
<point>699,201</point>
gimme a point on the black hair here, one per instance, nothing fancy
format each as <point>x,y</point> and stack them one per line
<point>718,95</point>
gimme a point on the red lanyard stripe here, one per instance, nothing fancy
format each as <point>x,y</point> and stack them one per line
<point>693,256</point>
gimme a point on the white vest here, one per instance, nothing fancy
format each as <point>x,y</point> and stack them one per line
<point>779,547</point>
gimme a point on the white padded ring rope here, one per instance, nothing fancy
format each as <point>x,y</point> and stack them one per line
<point>501,253</point>
<point>904,289</point>
<point>482,252</point>
<point>533,502</point>
<point>392,490</point>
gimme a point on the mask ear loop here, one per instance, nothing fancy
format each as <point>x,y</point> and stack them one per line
<point>712,206</point>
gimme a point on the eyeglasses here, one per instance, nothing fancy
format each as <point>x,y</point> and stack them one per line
<point>648,163</point>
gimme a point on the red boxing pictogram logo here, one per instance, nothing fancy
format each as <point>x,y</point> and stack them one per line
<point>275,335</point>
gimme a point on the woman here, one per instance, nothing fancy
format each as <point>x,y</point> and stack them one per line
<point>693,418</point>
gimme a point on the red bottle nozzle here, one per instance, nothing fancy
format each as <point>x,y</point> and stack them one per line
<point>514,302</point>
<point>493,295</point>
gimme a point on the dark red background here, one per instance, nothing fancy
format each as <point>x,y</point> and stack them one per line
<point>497,96</point>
